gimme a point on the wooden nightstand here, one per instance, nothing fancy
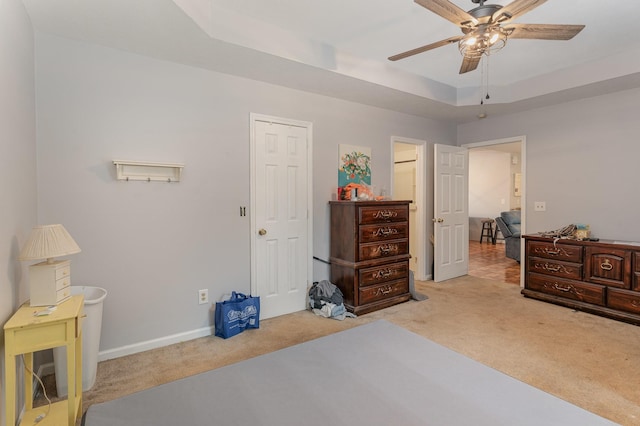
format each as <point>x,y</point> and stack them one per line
<point>26,333</point>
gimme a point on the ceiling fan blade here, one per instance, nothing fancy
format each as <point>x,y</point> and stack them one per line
<point>469,64</point>
<point>449,11</point>
<point>425,48</point>
<point>543,31</point>
<point>515,9</point>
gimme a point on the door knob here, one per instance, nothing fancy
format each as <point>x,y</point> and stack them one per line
<point>439,220</point>
<point>262,231</point>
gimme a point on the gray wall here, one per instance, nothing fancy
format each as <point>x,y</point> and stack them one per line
<point>581,158</point>
<point>18,155</point>
<point>153,245</point>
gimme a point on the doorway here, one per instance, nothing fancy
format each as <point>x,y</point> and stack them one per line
<point>496,184</point>
<point>409,182</point>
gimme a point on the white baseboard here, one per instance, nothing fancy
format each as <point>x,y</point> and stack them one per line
<point>154,343</point>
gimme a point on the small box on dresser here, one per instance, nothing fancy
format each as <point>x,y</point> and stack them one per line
<point>601,277</point>
<point>370,253</point>
<point>49,283</point>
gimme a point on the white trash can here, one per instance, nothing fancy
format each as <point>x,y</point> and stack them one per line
<point>91,328</point>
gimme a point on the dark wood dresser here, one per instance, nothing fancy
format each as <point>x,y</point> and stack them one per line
<point>600,277</point>
<point>370,253</point>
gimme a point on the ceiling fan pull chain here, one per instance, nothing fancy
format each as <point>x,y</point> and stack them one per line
<point>487,86</point>
<point>481,80</point>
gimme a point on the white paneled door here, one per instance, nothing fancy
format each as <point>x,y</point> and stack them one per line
<point>450,212</point>
<point>280,215</point>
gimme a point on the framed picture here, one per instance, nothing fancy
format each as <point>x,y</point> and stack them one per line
<point>354,165</point>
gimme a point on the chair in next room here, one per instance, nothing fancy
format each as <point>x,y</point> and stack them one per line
<point>509,225</point>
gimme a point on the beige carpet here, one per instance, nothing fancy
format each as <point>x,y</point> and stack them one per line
<point>590,361</point>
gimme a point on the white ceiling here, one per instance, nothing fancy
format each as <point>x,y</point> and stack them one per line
<point>340,47</point>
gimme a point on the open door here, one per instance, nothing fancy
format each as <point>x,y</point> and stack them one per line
<point>450,212</point>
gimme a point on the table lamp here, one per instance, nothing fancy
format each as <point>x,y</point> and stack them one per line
<point>49,281</point>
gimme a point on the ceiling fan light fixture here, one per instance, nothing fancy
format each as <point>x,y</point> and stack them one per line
<point>483,40</point>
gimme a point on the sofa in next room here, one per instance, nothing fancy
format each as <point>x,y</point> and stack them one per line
<point>509,225</point>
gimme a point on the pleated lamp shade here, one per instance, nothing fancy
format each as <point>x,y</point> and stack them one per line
<point>47,242</point>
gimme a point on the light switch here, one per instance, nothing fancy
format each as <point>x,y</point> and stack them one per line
<point>539,206</point>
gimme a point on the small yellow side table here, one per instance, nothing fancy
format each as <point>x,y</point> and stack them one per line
<point>26,333</point>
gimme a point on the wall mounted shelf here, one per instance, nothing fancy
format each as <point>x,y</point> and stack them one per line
<point>145,171</point>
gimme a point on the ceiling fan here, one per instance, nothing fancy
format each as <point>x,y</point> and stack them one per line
<point>486,29</point>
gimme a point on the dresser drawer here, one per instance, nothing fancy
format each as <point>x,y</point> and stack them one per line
<point>548,250</point>
<point>382,214</point>
<point>383,232</point>
<point>624,300</point>
<point>608,266</point>
<point>63,271</point>
<point>383,291</point>
<point>584,292</point>
<point>63,294</point>
<point>556,268</point>
<point>384,273</point>
<point>63,283</point>
<point>383,249</point>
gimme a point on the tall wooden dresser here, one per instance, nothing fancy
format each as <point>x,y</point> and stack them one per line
<point>370,253</point>
<point>600,277</point>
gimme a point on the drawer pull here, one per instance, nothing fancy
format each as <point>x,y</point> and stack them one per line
<point>386,249</point>
<point>551,268</point>
<point>635,303</point>
<point>385,232</point>
<point>606,265</point>
<point>385,214</point>
<point>559,287</point>
<point>384,290</point>
<point>383,273</point>
<point>552,251</point>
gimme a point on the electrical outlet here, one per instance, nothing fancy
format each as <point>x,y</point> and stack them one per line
<point>539,206</point>
<point>203,296</point>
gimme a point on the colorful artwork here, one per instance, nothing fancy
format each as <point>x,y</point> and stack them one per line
<point>354,165</point>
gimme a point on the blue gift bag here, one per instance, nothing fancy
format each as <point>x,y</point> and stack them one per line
<point>235,315</point>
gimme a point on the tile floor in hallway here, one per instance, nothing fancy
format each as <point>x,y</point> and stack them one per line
<point>488,260</point>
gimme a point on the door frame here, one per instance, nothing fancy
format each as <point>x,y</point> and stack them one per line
<point>523,173</point>
<point>422,248</point>
<point>253,118</point>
